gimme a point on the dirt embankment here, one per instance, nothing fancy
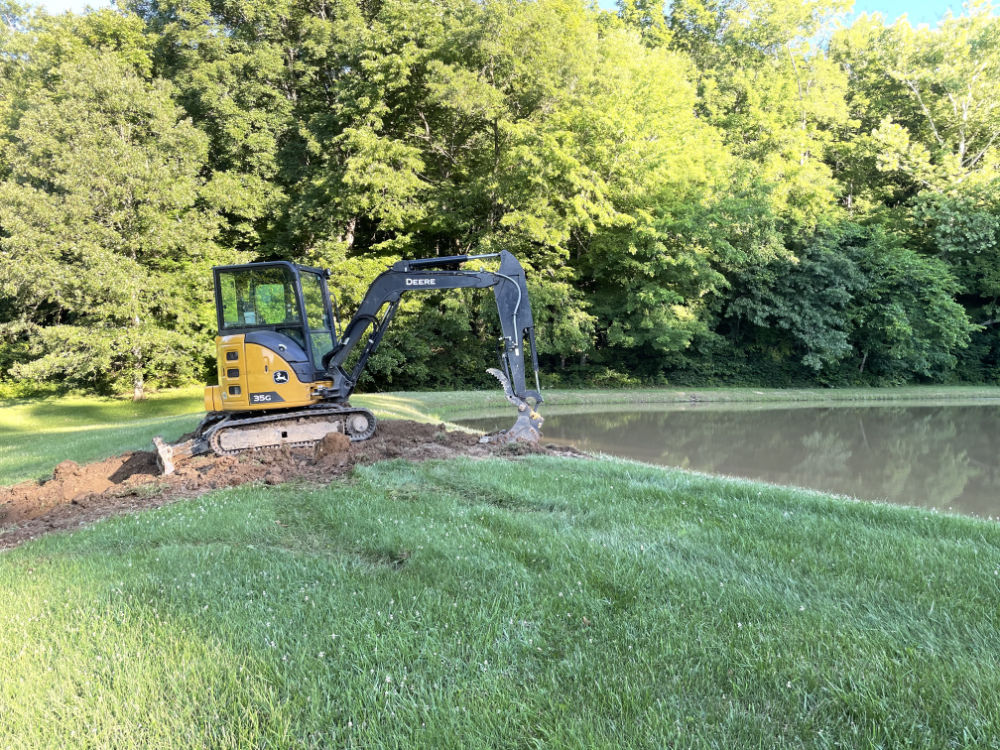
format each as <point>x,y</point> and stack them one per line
<point>76,495</point>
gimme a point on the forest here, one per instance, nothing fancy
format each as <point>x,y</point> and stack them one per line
<point>763,192</point>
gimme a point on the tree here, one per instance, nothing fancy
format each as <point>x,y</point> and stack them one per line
<point>905,320</point>
<point>926,158</point>
<point>106,241</point>
<point>698,189</point>
<point>799,304</point>
<point>776,97</point>
<point>469,127</point>
<point>853,298</point>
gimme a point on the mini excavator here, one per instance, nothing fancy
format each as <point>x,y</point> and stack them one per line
<point>284,373</point>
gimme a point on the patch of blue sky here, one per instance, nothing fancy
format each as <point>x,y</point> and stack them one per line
<point>921,12</point>
<point>927,11</point>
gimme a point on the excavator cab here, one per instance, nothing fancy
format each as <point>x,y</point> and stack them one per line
<point>275,326</point>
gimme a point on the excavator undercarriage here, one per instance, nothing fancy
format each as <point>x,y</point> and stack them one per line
<point>283,377</point>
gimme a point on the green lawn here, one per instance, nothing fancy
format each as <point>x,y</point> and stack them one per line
<point>35,435</point>
<point>538,603</point>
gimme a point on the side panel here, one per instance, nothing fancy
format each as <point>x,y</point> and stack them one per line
<point>272,382</point>
<point>213,398</point>
<point>232,369</point>
<point>255,378</point>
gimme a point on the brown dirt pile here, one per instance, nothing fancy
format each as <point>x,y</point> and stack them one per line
<point>77,495</point>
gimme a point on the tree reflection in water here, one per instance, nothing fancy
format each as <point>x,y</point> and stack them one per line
<point>940,456</point>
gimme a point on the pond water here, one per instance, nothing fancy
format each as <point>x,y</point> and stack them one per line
<point>942,456</point>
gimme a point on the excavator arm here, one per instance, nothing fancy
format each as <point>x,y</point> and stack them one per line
<point>433,274</point>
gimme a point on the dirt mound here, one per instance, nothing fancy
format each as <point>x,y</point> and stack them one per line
<point>334,444</point>
<point>76,495</point>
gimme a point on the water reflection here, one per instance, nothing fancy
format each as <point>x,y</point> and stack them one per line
<point>940,456</point>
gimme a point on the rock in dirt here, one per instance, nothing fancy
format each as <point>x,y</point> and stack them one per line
<point>76,494</point>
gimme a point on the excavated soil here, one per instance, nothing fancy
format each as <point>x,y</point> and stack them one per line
<point>77,495</point>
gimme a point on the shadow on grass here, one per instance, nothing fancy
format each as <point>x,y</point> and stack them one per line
<point>76,411</point>
<point>33,455</point>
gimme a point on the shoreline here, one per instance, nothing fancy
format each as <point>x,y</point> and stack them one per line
<point>36,435</point>
<point>449,405</point>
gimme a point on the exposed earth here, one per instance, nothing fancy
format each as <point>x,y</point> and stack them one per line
<point>76,495</point>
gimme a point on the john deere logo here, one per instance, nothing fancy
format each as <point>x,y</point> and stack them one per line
<point>280,376</point>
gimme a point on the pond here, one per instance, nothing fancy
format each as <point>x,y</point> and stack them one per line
<point>934,455</point>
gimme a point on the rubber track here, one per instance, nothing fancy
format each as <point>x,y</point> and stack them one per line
<point>225,425</point>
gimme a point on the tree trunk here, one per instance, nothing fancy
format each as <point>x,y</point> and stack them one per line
<point>864,359</point>
<point>138,381</point>
<point>348,236</point>
<point>138,391</point>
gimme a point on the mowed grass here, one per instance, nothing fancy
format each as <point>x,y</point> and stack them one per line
<point>448,405</point>
<point>35,435</point>
<point>534,603</point>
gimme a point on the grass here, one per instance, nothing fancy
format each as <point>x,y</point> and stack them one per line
<point>35,435</point>
<point>538,603</point>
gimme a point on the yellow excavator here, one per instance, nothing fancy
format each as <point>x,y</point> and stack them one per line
<point>284,377</point>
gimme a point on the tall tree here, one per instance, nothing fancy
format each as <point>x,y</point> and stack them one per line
<point>852,304</point>
<point>777,98</point>
<point>926,157</point>
<point>105,241</point>
<point>410,129</point>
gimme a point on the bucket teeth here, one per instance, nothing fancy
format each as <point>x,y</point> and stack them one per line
<point>527,428</point>
<point>167,454</point>
<point>505,384</point>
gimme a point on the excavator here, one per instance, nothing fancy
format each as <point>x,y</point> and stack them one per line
<point>285,368</point>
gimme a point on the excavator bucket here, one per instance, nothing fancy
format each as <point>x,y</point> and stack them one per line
<point>167,455</point>
<point>527,428</point>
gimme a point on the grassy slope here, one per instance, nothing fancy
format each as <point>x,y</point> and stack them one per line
<point>36,435</point>
<point>546,602</point>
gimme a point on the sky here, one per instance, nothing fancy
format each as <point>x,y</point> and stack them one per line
<point>918,11</point>
<point>927,11</point>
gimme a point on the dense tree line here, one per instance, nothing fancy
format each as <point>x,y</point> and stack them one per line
<point>704,191</point>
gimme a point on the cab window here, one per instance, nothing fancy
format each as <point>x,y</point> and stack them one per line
<point>312,294</point>
<point>317,315</point>
<point>257,297</point>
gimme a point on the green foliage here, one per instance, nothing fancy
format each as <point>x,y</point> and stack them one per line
<point>778,102</point>
<point>853,299</point>
<point>801,301</point>
<point>103,221</point>
<point>700,191</point>
<point>905,321</point>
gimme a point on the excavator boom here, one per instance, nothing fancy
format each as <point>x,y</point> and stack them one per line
<point>431,274</point>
